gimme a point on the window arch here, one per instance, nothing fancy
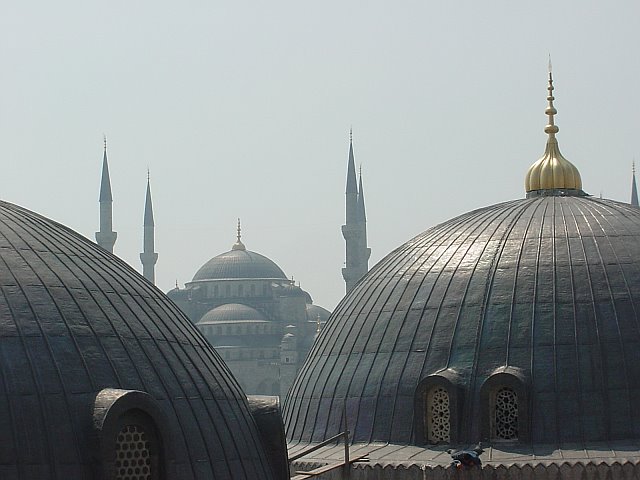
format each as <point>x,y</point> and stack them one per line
<point>133,435</point>
<point>504,406</point>
<point>437,403</point>
<point>438,415</point>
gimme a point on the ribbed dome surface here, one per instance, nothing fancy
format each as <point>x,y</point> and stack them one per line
<point>239,264</point>
<point>75,320</point>
<point>548,286</point>
<point>231,312</point>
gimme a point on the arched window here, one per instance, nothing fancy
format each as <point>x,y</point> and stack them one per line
<point>438,415</point>
<point>505,414</point>
<point>133,436</point>
<point>240,290</point>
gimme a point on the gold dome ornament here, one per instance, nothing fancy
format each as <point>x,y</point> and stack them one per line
<point>552,174</point>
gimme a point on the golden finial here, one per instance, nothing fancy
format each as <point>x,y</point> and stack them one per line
<point>318,323</point>
<point>238,245</point>
<point>176,283</point>
<point>551,127</point>
<point>552,174</point>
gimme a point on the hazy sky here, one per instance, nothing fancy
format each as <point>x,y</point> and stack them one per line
<point>243,108</point>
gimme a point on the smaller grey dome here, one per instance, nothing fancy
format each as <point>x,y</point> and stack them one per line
<point>313,311</point>
<point>231,312</point>
<point>239,263</point>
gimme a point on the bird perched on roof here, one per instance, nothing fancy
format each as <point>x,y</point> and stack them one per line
<point>466,458</point>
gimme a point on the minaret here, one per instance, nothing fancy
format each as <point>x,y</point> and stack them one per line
<point>148,257</point>
<point>106,237</point>
<point>634,189</point>
<point>354,230</point>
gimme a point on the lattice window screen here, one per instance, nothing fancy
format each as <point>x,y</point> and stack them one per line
<point>133,456</point>
<point>438,415</point>
<point>506,414</point>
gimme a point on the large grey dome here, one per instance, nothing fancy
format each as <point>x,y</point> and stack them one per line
<point>541,295</point>
<point>239,264</point>
<point>92,354</point>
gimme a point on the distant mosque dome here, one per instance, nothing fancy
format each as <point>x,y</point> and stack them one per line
<point>514,323</point>
<point>102,375</point>
<point>316,312</point>
<point>239,263</point>
<point>231,312</point>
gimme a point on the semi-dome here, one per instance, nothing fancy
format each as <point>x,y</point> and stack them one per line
<point>231,312</point>
<point>97,362</point>
<point>517,322</point>
<point>239,263</point>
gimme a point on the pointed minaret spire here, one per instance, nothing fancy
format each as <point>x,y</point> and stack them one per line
<point>148,257</point>
<point>634,189</point>
<point>352,186</point>
<point>362,216</point>
<point>354,230</point>
<point>106,237</point>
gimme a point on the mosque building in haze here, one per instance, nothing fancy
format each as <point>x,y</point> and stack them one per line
<point>260,321</point>
<point>516,325</point>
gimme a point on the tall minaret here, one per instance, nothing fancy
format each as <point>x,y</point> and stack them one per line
<point>148,257</point>
<point>634,189</point>
<point>106,237</point>
<point>354,230</point>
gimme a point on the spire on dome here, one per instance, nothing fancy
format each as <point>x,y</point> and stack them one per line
<point>238,245</point>
<point>552,174</point>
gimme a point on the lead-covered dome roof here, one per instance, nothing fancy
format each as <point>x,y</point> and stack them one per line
<point>239,263</point>
<point>515,322</point>
<point>230,312</point>
<point>548,287</point>
<point>81,331</point>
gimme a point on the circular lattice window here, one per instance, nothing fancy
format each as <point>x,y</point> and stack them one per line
<point>506,414</point>
<point>133,456</point>
<point>438,415</point>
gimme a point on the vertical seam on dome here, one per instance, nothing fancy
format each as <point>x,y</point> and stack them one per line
<point>575,322</point>
<point>107,267</point>
<point>510,225</point>
<point>595,313</point>
<point>39,390</point>
<point>615,312</point>
<point>437,315</point>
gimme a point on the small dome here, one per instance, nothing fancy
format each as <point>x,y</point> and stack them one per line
<point>231,312</point>
<point>315,311</point>
<point>86,342</point>
<point>239,263</point>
